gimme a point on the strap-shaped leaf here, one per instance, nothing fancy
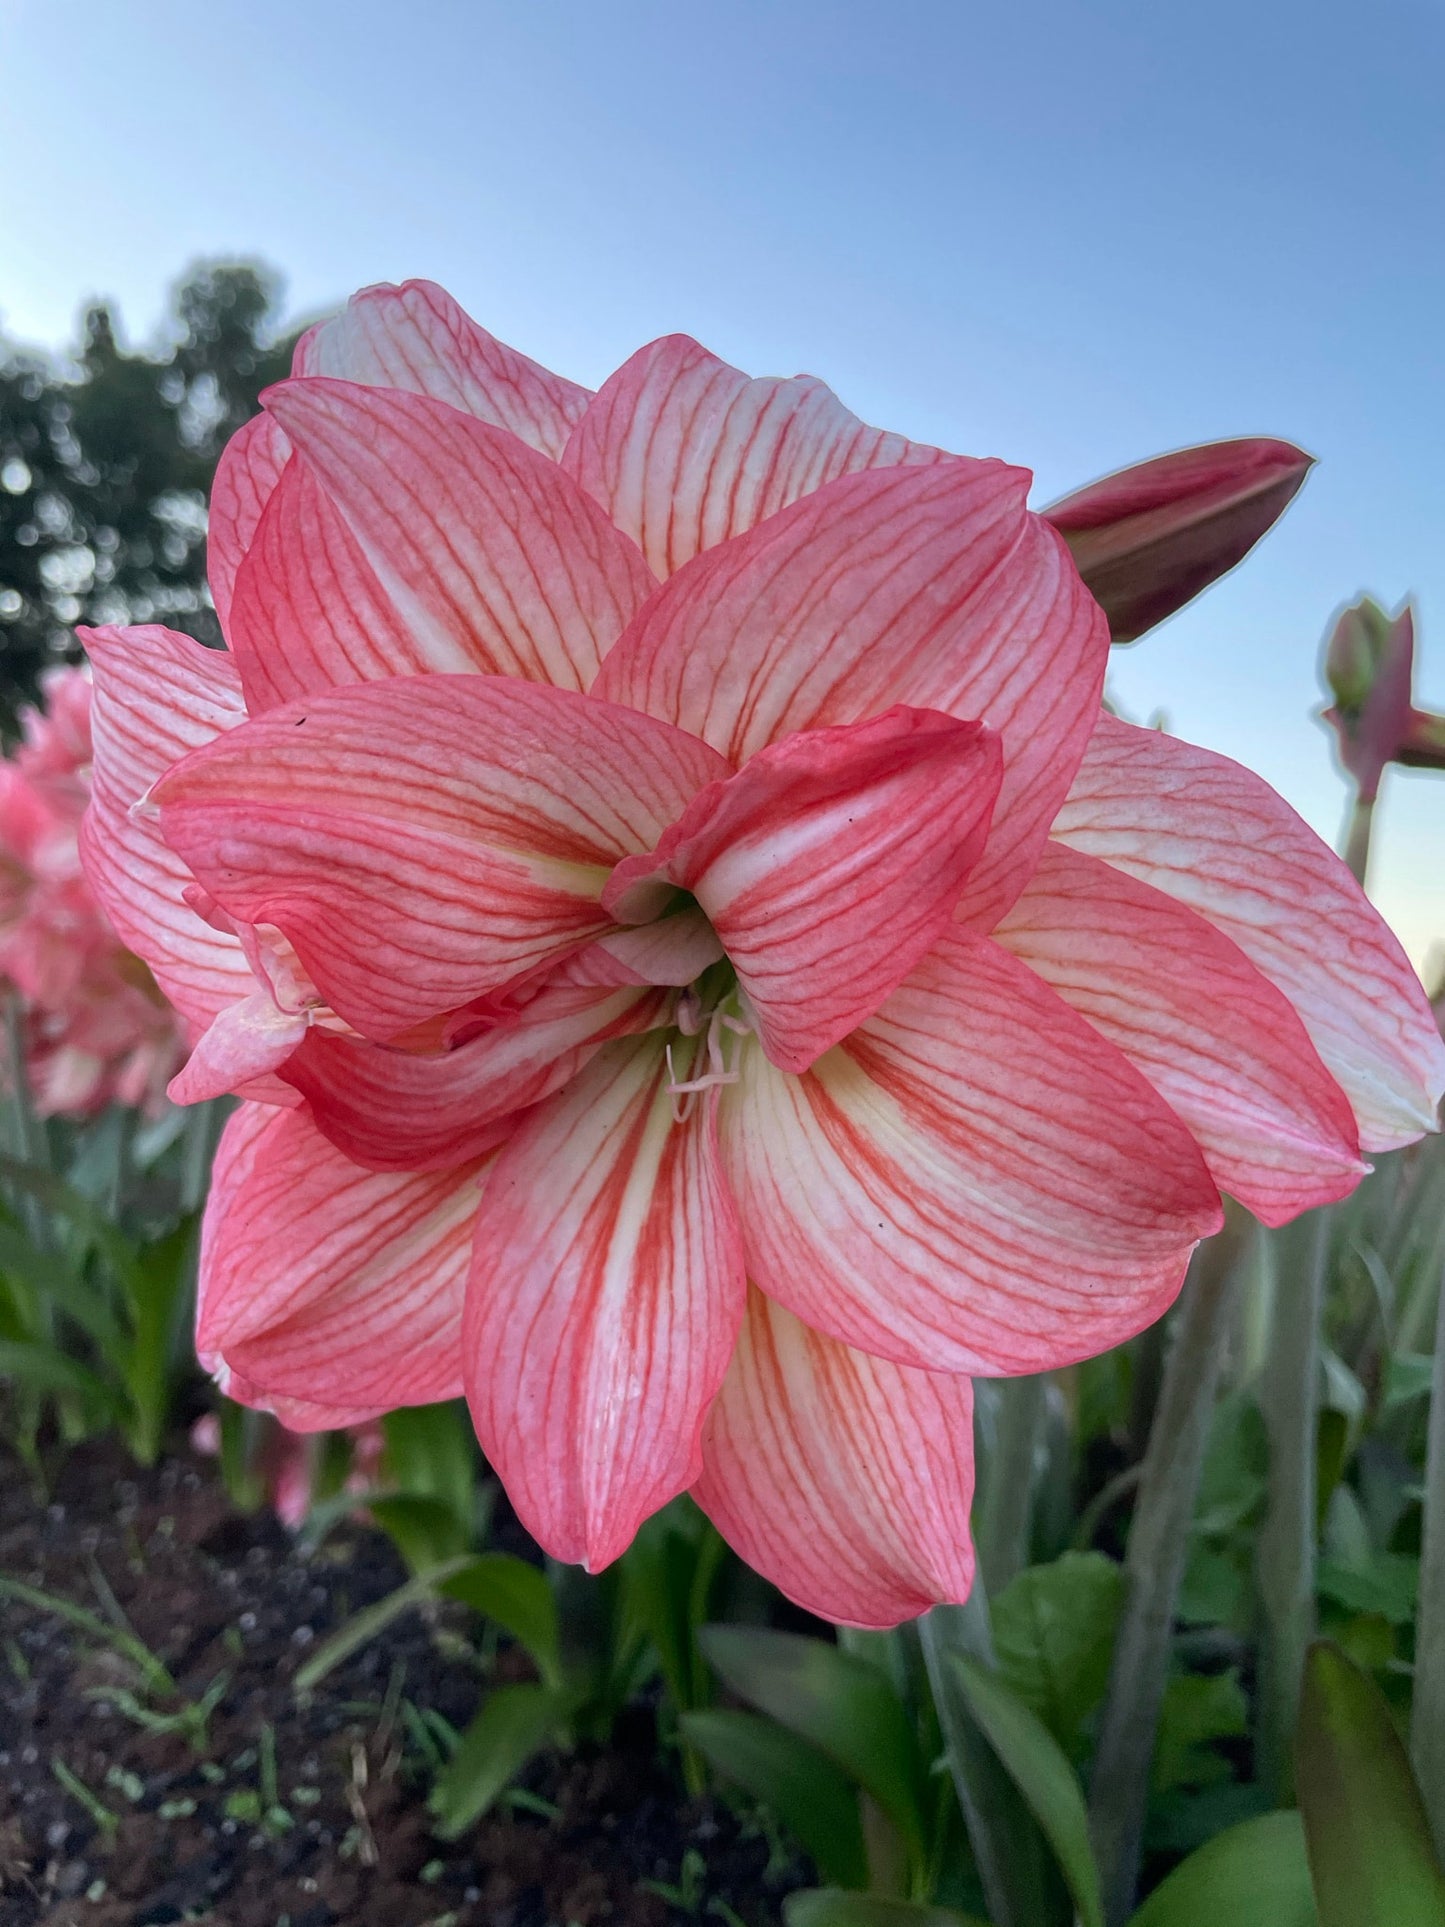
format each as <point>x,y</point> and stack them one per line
<point>515,1723</point>
<point>1039,1769</point>
<point>1369,1842</point>
<point>842,1704</point>
<point>1252,1875</point>
<point>831,1907</point>
<point>812,1797</point>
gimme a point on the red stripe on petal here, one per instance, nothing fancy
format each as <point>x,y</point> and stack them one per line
<point>323,1282</point>
<point>308,612</point>
<point>158,695</point>
<point>1216,837</point>
<point>396,1110</point>
<point>417,338</point>
<point>974,1181</point>
<point>932,587</point>
<point>1216,1039</point>
<point>603,1304</point>
<point>494,559</point>
<point>828,866</point>
<point>249,468</point>
<point>424,840</point>
<point>843,1479</point>
<point>685,452</point>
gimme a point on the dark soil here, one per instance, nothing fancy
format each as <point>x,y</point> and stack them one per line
<point>297,1815</point>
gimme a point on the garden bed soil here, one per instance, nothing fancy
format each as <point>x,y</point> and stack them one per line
<point>297,1814</point>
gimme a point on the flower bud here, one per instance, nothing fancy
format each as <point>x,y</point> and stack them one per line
<point>1147,539</point>
<point>1369,664</point>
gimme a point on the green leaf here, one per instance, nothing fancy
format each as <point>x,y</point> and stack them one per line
<point>831,1907</point>
<point>1369,1842</point>
<point>431,1450</point>
<point>45,1368</point>
<point>1254,1875</point>
<point>424,1530</point>
<point>518,1597</point>
<point>1407,1376</point>
<point>1039,1769</point>
<point>1053,1631</point>
<point>1388,1584</point>
<point>842,1704</point>
<point>808,1793</point>
<point>1198,1709</point>
<point>156,1290</point>
<point>515,1723</point>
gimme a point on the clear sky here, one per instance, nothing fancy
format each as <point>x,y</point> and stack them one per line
<point>1069,234</point>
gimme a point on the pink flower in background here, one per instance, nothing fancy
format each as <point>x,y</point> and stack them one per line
<point>711,975</point>
<point>94,1027</point>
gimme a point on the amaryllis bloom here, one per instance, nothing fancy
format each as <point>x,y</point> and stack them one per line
<point>94,1028</point>
<point>709,975</point>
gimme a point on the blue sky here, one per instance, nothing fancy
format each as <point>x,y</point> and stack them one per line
<point>1072,235</point>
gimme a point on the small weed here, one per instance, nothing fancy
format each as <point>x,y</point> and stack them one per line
<point>99,1812</point>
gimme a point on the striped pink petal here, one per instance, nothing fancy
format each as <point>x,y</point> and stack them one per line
<point>324,1283</point>
<point>684,451</point>
<point>308,610</point>
<point>828,866</point>
<point>1216,837</point>
<point>249,468</point>
<point>413,337</point>
<point>975,1180</point>
<point>398,1110</point>
<point>493,559</point>
<point>844,1479</point>
<point>246,1040</point>
<point>1214,1037</point>
<point>158,695</point>
<point>417,338</point>
<point>927,586</point>
<point>603,1304</point>
<point>424,840</point>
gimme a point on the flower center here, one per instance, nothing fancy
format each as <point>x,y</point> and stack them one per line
<point>711,1021</point>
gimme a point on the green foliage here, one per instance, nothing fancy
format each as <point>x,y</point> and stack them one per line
<point>810,1794</point>
<point>1370,1851</point>
<point>1053,1631</point>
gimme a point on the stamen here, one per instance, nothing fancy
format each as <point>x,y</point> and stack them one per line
<point>718,1072</point>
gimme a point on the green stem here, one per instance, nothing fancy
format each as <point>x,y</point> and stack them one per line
<point>1005,1510</point>
<point>1002,1834</point>
<point>1289,1396</point>
<point>1357,837</point>
<point>1154,1566</point>
<point>1427,1718</point>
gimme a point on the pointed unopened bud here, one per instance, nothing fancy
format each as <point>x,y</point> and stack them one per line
<point>1147,539</point>
<point>1369,664</point>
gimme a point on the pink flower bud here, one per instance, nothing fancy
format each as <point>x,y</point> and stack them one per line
<point>1147,539</point>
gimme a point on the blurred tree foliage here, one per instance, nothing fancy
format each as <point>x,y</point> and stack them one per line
<point>105,463</point>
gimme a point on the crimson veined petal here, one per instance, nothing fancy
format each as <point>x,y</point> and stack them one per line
<point>1216,837</point>
<point>844,1479</point>
<point>249,468</point>
<point>1216,1039</point>
<point>928,586</point>
<point>827,866</point>
<point>399,1110</point>
<point>603,1304</point>
<point>424,840</point>
<point>492,558</point>
<point>325,1283</point>
<point>684,451</point>
<point>416,337</point>
<point>308,611</point>
<point>158,695</point>
<point>975,1180</point>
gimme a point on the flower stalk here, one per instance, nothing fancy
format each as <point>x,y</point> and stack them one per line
<point>1154,1564</point>
<point>1427,1719</point>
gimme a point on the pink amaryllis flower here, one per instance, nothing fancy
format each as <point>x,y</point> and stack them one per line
<point>93,1027</point>
<point>709,975</point>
